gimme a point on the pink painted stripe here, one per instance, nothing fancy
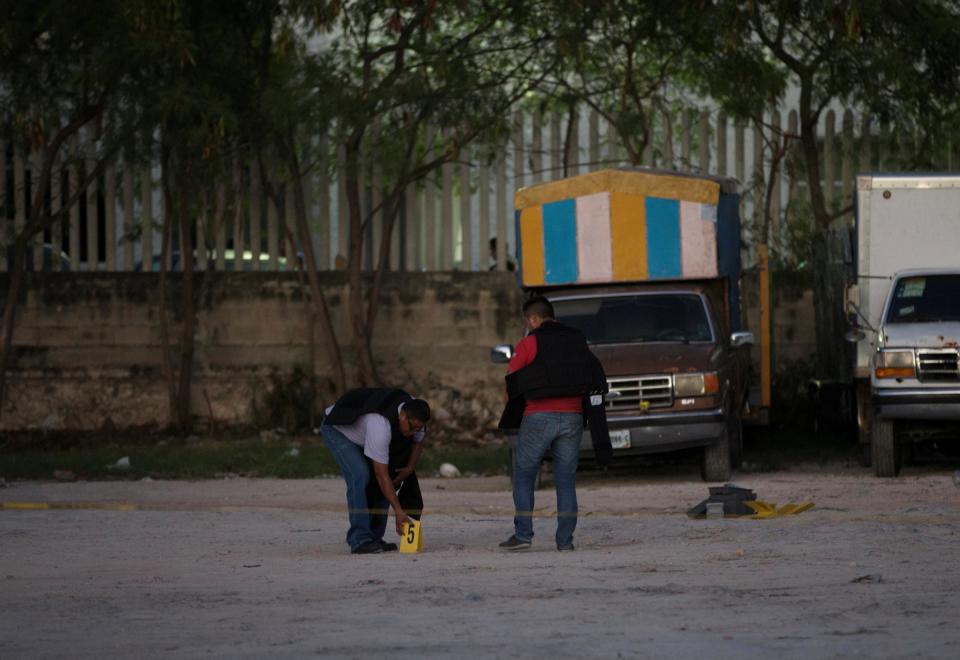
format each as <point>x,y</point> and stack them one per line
<point>698,238</point>
<point>594,262</point>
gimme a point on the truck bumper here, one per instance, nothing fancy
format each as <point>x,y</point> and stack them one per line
<point>658,432</point>
<point>918,403</point>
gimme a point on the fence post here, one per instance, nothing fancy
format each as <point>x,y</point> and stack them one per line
<point>846,164</point>
<point>507,237</point>
<point>685,161</point>
<point>430,210</point>
<point>411,225</point>
<point>56,203</point>
<point>239,215</point>
<point>501,213</point>
<point>128,222</point>
<point>256,219</point>
<point>704,157</point>
<point>324,253</point>
<point>594,130</point>
<point>758,178</point>
<point>536,154</point>
<point>573,148</point>
<point>110,213</point>
<point>483,190</point>
<point>378,215</point>
<point>446,213</point>
<point>556,147</point>
<point>829,170</point>
<point>220,223</point>
<point>73,186</point>
<point>201,247</point>
<point>466,255</point>
<point>19,193</point>
<point>866,138</point>
<point>773,239</point>
<point>93,226</point>
<point>721,144</point>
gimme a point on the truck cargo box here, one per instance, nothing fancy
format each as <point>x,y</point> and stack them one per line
<point>903,221</point>
<point>626,226</point>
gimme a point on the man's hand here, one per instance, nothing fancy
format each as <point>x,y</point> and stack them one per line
<point>402,474</point>
<point>401,517</point>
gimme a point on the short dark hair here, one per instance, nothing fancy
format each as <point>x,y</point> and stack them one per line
<point>538,305</point>
<point>417,409</point>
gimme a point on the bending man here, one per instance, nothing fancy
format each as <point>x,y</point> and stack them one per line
<point>363,430</point>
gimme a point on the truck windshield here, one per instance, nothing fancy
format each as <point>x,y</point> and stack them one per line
<point>925,299</point>
<point>660,317</point>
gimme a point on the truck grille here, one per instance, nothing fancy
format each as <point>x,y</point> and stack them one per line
<point>657,391</point>
<point>938,365</point>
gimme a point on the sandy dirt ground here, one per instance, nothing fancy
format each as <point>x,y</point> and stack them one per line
<point>258,568</point>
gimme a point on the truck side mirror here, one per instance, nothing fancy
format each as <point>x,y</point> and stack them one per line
<point>501,353</point>
<point>738,339</point>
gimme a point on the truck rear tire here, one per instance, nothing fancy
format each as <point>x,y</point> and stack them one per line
<point>864,424</point>
<point>715,464</point>
<point>886,453</point>
<point>736,444</point>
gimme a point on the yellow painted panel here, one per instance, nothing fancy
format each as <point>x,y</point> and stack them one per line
<point>667,186</point>
<point>628,237</point>
<point>531,246</point>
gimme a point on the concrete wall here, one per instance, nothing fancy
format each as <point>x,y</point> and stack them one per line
<point>87,345</point>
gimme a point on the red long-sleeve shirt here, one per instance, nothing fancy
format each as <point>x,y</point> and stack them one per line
<point>524,354</point>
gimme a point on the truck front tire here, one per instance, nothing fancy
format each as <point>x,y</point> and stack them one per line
<point>886,453</point>
<point>715,464</point>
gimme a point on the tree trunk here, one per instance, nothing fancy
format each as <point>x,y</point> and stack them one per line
<point>189,321</point>
<point>366,369</point>
<point>9,313</point>
<point>316,291</point>
<point>166,361</point>
<point>833,360</point>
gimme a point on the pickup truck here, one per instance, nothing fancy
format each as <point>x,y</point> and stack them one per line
<point>646,264</point>
<point>905,308</point>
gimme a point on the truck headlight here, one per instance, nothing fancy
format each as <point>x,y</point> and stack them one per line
<point>695,384</point>
<point>895,364</point>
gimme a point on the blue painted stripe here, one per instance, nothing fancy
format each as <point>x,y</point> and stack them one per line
<point>560,242</point>
<point>663,238</point>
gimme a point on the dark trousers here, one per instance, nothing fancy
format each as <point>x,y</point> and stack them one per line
<point>410,498</point>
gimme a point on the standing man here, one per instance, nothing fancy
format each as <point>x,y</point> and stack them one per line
<point>362,430</point>
<point>550,380</point>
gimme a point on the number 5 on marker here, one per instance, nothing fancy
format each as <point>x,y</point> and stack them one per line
<point>411,540</point>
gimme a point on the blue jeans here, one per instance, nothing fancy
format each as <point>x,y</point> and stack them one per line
<point>356,472</point>
<point>539,432</point>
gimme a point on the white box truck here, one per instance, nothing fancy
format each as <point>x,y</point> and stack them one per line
<point>905,305</point>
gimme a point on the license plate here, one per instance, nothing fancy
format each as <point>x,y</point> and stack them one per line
<point>620,439</point>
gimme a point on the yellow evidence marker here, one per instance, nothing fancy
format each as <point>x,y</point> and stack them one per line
<point>411,541</point>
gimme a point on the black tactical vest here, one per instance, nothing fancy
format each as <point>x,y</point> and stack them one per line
<point>563,366</point>
<point>383,401</point>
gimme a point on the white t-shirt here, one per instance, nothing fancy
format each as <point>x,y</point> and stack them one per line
<point>372,432</point>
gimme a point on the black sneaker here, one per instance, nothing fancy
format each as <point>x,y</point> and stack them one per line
<point>513,543</point>
<point>388,547</point>
<point>368,548</point>
<point>565,548</point>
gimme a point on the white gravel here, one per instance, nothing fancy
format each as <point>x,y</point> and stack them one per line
<point>258,568</point>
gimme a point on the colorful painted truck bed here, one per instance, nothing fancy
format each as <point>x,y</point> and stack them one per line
<point>616,226</point>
